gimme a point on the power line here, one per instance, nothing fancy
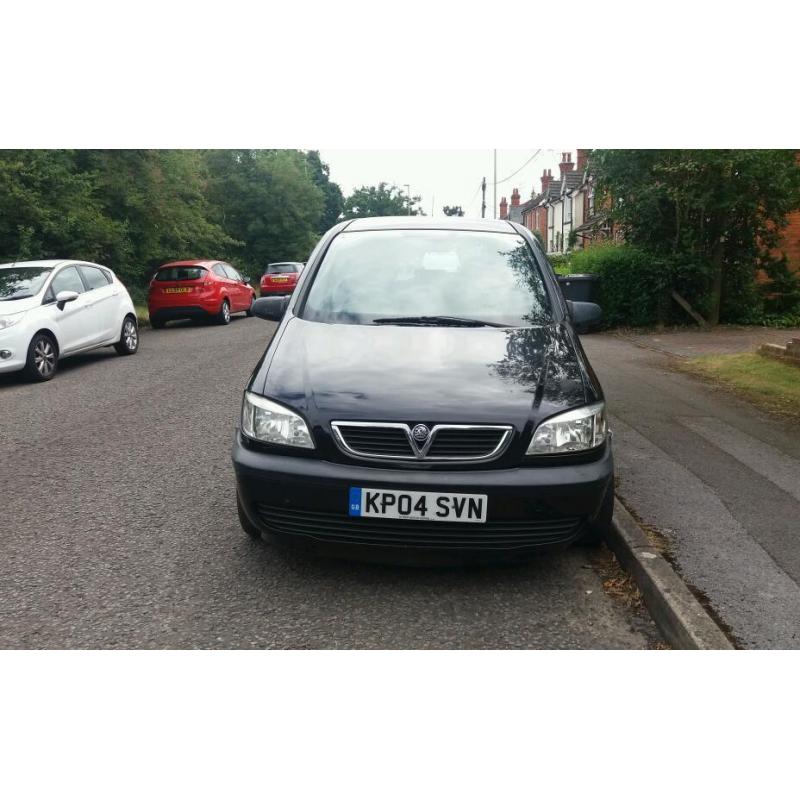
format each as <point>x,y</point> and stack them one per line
<point>520,169</point>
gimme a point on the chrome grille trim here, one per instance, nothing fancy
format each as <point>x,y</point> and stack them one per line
<point>416,453</point>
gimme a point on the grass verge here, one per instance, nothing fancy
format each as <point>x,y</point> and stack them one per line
<point>769,384</point>
<point>142,316</point>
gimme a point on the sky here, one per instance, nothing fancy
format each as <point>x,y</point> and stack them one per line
<point>445,177</point>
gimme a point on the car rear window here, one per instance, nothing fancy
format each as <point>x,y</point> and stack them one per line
<point>180,274</point>
<point>375,275</point>
<point>275,269</point>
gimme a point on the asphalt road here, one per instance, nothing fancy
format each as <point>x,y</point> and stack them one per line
<point>119,530</point>
<point>720,480</point>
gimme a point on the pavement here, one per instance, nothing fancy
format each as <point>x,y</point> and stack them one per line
<point>120,530</point>
<point>722,340</point>
<point>717,477</point>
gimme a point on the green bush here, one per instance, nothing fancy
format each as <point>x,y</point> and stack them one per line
<point>560,263</point>
<point>631,284</point>
<point>636,288</point>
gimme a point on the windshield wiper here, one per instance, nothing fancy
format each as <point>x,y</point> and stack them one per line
<point>17,297</point>
<point>452,322</point>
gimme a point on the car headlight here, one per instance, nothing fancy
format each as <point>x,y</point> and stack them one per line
<point>270,422</point>
<point>11,319</point>
<point>579,429</point>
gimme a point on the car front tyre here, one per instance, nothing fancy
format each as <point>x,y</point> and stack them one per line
<point>224,316</point>
<point>128,342</point>
<point>249,311</point>
<point>42,361</point>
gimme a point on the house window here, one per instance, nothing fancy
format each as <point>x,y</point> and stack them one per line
<point>591,201</point>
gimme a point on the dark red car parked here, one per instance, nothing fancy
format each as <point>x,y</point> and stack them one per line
<point>280,278</point>
<point>211,290</point>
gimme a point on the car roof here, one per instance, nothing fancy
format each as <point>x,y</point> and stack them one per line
<point>51,263</point>
<point>430,223</point>
<point>196,262</point>
<point>281,263</point>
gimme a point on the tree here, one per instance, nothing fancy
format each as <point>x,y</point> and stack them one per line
<point>382,200</point>
<point>160,197</point>
<point>713,217</point>
<point>453,211</point>
<point>266,201</point>
<point>129,209</point>
<point>136,209</point>
<point>319,172</point>
<point>49,208</point>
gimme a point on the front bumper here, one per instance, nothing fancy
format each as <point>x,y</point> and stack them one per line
<point>14,344</point>
<point>530,508</point>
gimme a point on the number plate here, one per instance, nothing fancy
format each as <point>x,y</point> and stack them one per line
<point>178,290</point>
<point>429,506</point>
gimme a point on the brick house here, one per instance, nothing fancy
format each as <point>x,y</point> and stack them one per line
<point>563,212</point>
<point>790,242</point>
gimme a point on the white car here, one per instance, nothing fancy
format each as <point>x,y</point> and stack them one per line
<point>53,309</point>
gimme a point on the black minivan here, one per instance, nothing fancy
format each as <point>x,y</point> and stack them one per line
<point>425,393</point>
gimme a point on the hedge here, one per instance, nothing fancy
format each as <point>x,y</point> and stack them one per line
<point>635,287</point>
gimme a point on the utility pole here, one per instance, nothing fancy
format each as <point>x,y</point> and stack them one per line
<point>483,201</point>
<point>494,200</point>
<point>408,194</point>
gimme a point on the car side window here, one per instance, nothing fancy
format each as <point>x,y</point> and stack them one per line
<point>219,270</point>
<point>95,278</point>
<point>67,280</point>
<point>232,273</point>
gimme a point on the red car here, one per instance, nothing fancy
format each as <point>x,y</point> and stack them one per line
<point>211,290</point>
<point>280,278</point>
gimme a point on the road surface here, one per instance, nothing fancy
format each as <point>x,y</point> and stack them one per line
<point>120,530</point>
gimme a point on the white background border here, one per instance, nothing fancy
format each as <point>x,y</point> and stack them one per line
<point>405,725</point>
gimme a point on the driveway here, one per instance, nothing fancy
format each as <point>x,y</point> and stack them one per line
<point>720,480</point>
<point>120,530</point>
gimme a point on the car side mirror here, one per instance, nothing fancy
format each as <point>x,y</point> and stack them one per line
<point>271,308</point>
<point>245,279</point>
<point>584,316</point>
<point>67,296</point>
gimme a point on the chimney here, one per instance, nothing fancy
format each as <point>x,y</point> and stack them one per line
<point>546,178</point>
<point>583,157</point>
<point>515,198</point>
<point>566,164</point>
<point>503,208</point>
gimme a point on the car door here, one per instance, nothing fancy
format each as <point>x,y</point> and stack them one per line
<point>101,303</point>
<point>245,289</point>
<point>228,287</point>
<point>73,328</point>
<point>242,292</point>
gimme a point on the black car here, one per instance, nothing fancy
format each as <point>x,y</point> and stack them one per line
<point>425,393</point>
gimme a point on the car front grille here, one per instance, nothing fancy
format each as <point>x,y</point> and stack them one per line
<point>394,441</point>
<point>492,535</point>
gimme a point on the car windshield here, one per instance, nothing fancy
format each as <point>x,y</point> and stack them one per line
<point>16,283</point>
<point>276,269</point>
<point>180,274</point>
<point>429,277</point>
